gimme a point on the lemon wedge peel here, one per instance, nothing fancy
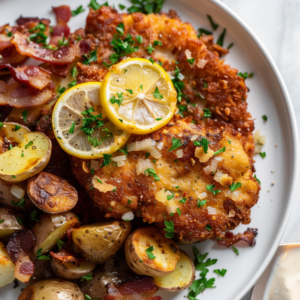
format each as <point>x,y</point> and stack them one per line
<point>148,97</point>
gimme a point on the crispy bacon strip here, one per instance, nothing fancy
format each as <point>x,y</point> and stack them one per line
<point>36,77</point>
<point>18,248</point>
<point>22,20</point>
<point>63,15</point>
<point>65,256</point>
<point>16,95</point>
<point>248,236</point>
<point>137,288</point>
<point>61,56</point>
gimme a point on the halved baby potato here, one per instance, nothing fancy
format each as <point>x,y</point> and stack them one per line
<point>9,223</point>
<point>181,278</point>
<point>99,242</point>
<point>7,267</point>
<point>52,227</point>
<point>71,270</point>
<point>51,193</point>
<point>52,289</point>
<point>148,252</point>
<point>30,153</point>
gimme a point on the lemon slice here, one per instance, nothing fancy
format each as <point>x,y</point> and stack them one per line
<point>138,96</point>
<point>68,123</point>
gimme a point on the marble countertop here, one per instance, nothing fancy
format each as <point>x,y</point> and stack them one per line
<point>276,24</point>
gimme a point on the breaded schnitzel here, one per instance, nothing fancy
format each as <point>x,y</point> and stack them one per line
<point>186,179</point>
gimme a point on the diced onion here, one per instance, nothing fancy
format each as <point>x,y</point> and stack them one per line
<point>257,149</point>
<point>203,195</point>
<point>234,196</point>
<point>128,216</point>
<point>259,139</point>
<point>142,165</point>
<point>155,153</point>
<point>218,158</point>
<point>211,210</point>
<point>171,208</point>
<point>131,147</point>
<point>119,158</point>
<point>95,164</point>
<point>58,220</point>
<point>160,145</point>
<point>161,196</point>
<point>207,170</point>
<point>218,176</point>
<point>188,54</point>
<point>214,165</point>
<point>17,191</point>
<point>231,213</point>
<point>201,63</point>
<point>194,137</point>
<point>121,163</point>
<point>179,153</point>
<point>143,145</point>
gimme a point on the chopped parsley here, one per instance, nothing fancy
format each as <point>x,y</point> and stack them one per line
<point>1,125</point>
<point>38,37</point>
<point>72,83</point>
<point>179,211</point>
<point>182,109</point>
<point>200,203</point>
<point>120,28</point>
<point>176,143</point>
<point>129,91</point>
<point>149,252</point>
<point>33,216</point>
<point>207,113</point>
<point>229,142</point>
<point>99,180</point>
<point>210,187</point>
<point>156,94</point>
<point>191,61</point>
<point>72,127</point>
<point>178,83</point>
<point>256,178</point>
<point>140,39</point>
<point>220,151</point>
<point>151,172</point>
<point>235,186</point>
<point>17,127</point>
<point>106,159</point>
<point>141,87</point>
<point>265,118</point>
<point>60,244</point>
<point>152,61</point>
<point>118,100</point>
<point>221,272</point>
<point>88,58</point>
<point>212,23</point>
<point>87,277</point>
<point>41,27</point>
<point>122,6</point>
<point>41,256</point>
<point>95,5</point>
<point>74,71</point>
<point>20,221</point>
<point>169,229</point>
<point>147,154</point>
<point>183,200</point>
<point>220,40</point>
<point>158,119</point>
<point>1,221</point>
<point>150,49</point>
<point>263,154</point>
<point>19,204</point>
<point>157,43</point>
<point>203,31</point>
<point>87,297</point>
<point>61,90</point>
<point>208,227</point>
<point>169,197</point>
<point>78,11</point>
<point>146,6</point>
<point>129,201</point>
<point>63,42</point>
<point>124,150</point>
<point>230,45</point>
<point>245,75</point>
<point>235,250</point>
<point>203,143</point>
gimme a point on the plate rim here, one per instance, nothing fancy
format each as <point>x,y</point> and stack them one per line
<point>295,140</point>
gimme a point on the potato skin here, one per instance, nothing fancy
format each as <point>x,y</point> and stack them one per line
<point>46,227</point>
<point>51,193</point>
<point>10,223</point>
<point>165,251</point>
<point>181,278</point>
<point>100,241</point>
<point>52,289</point>
<point>7,268</point>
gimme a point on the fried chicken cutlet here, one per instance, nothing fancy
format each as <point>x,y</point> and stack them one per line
<point>199,202</point>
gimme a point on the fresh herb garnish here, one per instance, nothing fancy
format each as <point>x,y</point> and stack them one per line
<point>151,172</point>
<point>191,61</point>
<point>38,37</point>
<point>61,90</point>
<point>71,84</point>
<point>210,187</point>
<point>20,221</point>
<point>72,127</point>
<point>169,229</point>
<point>129,91</point>
<point>120,28</point>
<point>150,49</point>
<point>263,154</point>
<point>124,150</point>
<point>182,109</point>
<point>129,201</point>
<point>149,252</point>
<point>118,100</point>
<point>208,227</point>
<point>235,250</point>
<point>99,180</point>
<point>92,56</point>
<point>19,204</point>
<point>41,27</point>
<point>221,272</point>
<point>230,45</point>
<point>146,6</point>
<point>1,221</point>
<point>87,297</point>
<point>158,119</point>
<point>207,113</point>
<point>152,61</point>
<point>33,216</point>
<point>122,6</point>
<point>157,94</point>
<point>200,203</point>
<point>235,186</point>
<point>212,23</point>
<point>245,75</point>
<point>178,83</point>
<point>220,40</point>
<point>169,197</point>
<point>106,159</point>
<point>265,118</point>
<point>25,115</point>
<point>176,143</point>
<point>39,255</point>
<point>78,11</point>
<point>140,39</point>
<point>179,211</point>
<point>203,31</point>
<point>229,142</point>
<point>60,244</point>
<point>87,277</point>
<point>74,71</point>
<point>157,43</point>
<point>17,127</point>
<point>63,42</point>
<point>95,5</point>
<point>220,151</point>
<point>203,143</point>
<point>183,200</point>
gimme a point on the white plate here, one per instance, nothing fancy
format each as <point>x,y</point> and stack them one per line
<point>269,96</point>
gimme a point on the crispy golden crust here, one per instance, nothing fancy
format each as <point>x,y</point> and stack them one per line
<point>184,177</point>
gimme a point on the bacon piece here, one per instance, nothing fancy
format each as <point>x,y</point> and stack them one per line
<point>61,56</point>
<point>248,236</point>
<point>18,248</point>
<point>36,77</point>
<point>22,20</point>
<point>18,96</point>
<point>63,15</point>
<point>137,288</point>
<point>65,256</point>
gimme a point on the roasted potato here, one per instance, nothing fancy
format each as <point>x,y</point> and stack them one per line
<point>7,267</point>
<point>30,153</point>
<point>52,227</point>
<point>51,193</point>
<point>52,289</point>
<point>9,223</point>
<point>148,252</point>
<point>71,270</point>
<point>7,198</point>
<point>110,272</point>
<point>99,242</point>
<point>181,278</point>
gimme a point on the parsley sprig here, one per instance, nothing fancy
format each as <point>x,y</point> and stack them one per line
<point>203,143</point>
<point>152,172</point>
<point>169,229</point>
<point>146,6</point>
<point>210,187</point>
<point>176,143</point>
<point>178,83</point>
<point>149,252</point>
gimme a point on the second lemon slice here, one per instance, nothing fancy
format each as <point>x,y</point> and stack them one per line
<point>138,96</point>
